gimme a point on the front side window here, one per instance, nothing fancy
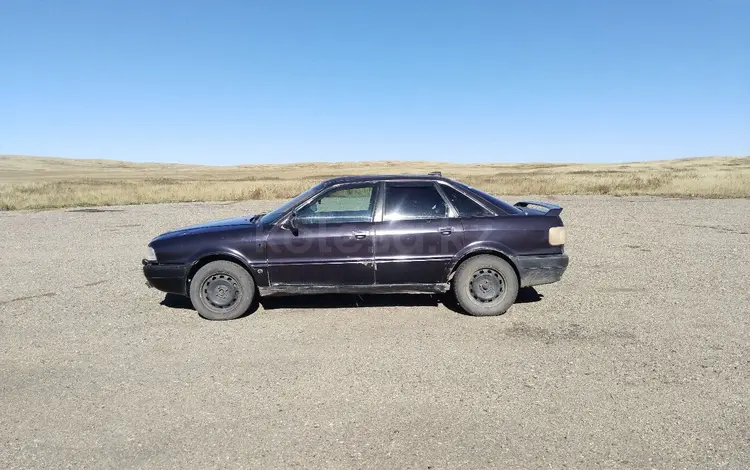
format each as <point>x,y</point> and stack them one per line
<point>275,214</point>
<point>404,201</point>
<point>351,204</point>
<point>464,205</point>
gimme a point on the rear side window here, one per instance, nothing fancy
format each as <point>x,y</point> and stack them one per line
<point>413,201</point>
<point>465,206</point>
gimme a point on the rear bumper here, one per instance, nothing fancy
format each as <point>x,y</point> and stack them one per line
<point>171,278</point>
<point>537,270</point>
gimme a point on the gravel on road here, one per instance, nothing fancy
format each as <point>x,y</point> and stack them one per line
<point>639,358</point>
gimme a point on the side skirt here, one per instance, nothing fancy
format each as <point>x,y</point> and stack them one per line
<point>297,289</point>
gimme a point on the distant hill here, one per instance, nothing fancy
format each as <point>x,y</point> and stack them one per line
<point>14,168</point>
<point>45,182</point>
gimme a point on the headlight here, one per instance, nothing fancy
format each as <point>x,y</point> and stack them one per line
<point>150,254</point>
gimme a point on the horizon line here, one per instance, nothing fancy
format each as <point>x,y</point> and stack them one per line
<point>334,162</point>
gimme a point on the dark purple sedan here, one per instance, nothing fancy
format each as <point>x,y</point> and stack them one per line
<point>366,234</point>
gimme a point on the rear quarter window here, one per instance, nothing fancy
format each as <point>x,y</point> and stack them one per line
<point>464,205</point>
<point>499,203</point>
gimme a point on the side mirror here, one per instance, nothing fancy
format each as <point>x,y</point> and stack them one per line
<point>291,223</point>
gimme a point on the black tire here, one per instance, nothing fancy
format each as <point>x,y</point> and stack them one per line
<point>485,285</point>
<point>222,290</point>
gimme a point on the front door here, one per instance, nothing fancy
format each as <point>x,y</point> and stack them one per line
<point>418,236</point>
<point>332,244</point>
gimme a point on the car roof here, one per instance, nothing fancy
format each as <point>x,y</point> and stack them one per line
<point>486,198</point>
<point>370,178</point>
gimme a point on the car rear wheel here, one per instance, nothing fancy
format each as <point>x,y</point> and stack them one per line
<point>485,285</point>
<point>222,290</point>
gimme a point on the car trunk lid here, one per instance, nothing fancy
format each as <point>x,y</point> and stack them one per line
<point>547,209</point>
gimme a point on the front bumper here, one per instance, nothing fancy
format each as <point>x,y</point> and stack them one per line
<point>545,269</point>
<point>170,278</point>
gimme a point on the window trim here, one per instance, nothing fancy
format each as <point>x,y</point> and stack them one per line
<point>379,186</point>
<point>380,205</point>
<point>452,213</point>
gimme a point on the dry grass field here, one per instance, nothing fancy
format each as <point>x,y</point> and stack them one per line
<point>40,183</point>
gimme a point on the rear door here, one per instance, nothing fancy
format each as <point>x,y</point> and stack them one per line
<point>417,236</point>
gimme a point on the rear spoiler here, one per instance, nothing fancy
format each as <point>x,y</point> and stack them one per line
<point>552,209</point>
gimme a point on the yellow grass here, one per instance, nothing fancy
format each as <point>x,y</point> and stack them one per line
<point>37,183</point>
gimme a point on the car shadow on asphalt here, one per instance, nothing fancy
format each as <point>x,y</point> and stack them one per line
<point>525,295</point>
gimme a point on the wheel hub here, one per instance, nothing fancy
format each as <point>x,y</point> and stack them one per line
<point>486,285</point>
<point>221,291</point>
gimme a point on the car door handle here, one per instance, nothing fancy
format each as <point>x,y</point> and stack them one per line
<point>359,235</point>
<point>446,230</point>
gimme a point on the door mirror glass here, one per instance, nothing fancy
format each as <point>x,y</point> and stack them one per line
<point>291,223</point>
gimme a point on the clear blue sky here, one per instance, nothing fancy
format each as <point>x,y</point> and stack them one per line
<point>227,82</point>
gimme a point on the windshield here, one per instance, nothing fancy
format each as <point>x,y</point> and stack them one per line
<point>275,214</point>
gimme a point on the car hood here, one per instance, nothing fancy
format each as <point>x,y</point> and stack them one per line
<point>214,226</point>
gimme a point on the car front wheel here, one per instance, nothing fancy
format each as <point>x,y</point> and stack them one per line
<point>222,290</point>
<point>485,285</point>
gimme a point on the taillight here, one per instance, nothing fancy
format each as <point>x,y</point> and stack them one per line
<point>557,236</point>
